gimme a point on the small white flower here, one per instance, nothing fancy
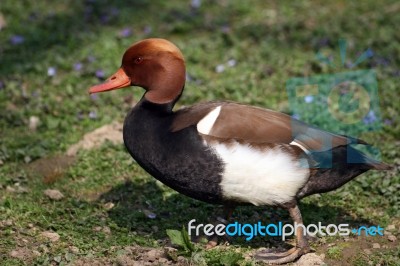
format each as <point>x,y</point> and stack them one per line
<point>51,71</point>
<point>220,68</point>
<point>232,63</point>
<point>309,98</point>
<point>196,3</point>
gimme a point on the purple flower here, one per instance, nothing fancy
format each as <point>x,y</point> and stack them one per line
<point>104,19</point>
<point>147,30</point>
<point>36,94</point>
<point>100,74</point>
<point>51,71</point>
<point>33,16</point>
<point>370,118</point>
<point>369,52</point>
<point>91,58</point>
<point>2,85</point>
<point>195,4</point>
<point>79,115</point>
<point>309,98</point>
<point>150,214</point>
<point>226,29</point>
<point>87,12</point>
<point>94,96</point>
<point>124,33</point>
<point>114,12</point>
<point>382,61</point>
<point>231,62</point>
<point>388,122</point>
<point>17,39</point>
<point>323,42</point>
<point>78,66</point>
<point>188,77</point>
<point>296,116</point>
<point>93,115</point>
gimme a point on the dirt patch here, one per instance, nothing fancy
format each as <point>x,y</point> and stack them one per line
<point>53,194</point>
<point>51,168</point>
<point>23,253</point>
<point>92,262</point>
<point>52,236</point>
<point>354,247</point>
<point>138,256</point>
<point>151,256</point>
<point>310,259</point>
<point>111,132</point>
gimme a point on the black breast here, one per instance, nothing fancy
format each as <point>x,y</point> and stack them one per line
<point>178,159</point>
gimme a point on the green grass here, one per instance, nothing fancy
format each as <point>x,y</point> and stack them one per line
<point>271,43</point>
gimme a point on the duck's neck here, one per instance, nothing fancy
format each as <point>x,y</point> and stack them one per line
<point>161,108</point>
<point>161,96</point>
<point>157,101</point>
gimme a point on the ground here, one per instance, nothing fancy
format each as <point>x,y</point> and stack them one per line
<point>63,204</point>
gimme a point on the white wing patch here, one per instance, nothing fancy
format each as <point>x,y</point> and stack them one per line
<point>260,177</point>
<point>206,124</point>
<point>300,146</point>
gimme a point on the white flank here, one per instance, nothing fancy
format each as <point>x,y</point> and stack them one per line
<point>205,125</point>
<point>260,177</point>
<point>300,146</point>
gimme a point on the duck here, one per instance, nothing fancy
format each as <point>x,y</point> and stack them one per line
<point>228,153</point>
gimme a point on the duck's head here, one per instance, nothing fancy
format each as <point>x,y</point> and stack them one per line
<point>156,65</point>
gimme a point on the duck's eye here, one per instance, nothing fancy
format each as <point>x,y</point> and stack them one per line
<point>138,60</point>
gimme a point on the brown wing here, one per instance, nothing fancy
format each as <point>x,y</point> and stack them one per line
<point>257,125</point>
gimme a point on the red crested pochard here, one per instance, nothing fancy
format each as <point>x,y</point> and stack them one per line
<point>224,152</point>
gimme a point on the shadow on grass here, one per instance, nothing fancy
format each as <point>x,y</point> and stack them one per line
<point>143,208</point>
<point>47,31</point>
<point>57,28</point>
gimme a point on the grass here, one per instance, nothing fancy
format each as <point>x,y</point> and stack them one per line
<point>270,43</point>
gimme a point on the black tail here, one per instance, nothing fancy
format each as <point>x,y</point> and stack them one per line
<point>334,168</point>
<point>355,140</point>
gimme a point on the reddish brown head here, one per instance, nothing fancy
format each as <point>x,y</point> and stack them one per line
<point>156,65</point>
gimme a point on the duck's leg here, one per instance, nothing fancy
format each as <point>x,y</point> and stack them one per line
<point>292,254</point>
<point>227,213</point>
